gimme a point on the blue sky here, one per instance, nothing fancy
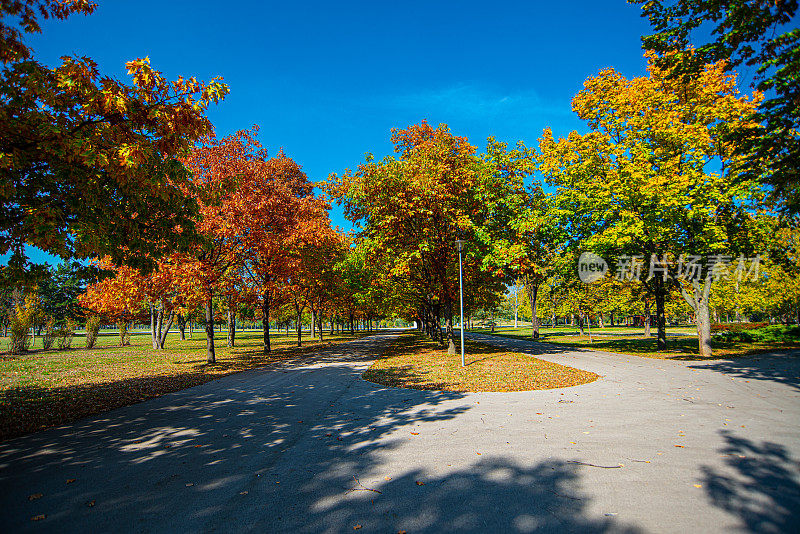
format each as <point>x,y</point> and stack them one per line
<point>328,80</point>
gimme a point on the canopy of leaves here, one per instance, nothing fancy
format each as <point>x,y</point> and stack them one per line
<point>755,33</point>
<point>88,163</point>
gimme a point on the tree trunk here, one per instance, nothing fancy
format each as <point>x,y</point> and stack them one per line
<point>156,321</point>
<point>211,354</point>
<point>162,337</point>
<point>661,319</point>
<point>589,327</point>
<point>698,299</point>
<point>451,344</point>
<point>182,326</point>
<point>534,293</point>
<point>319,325</point>
<point>580,322</point>
<point>313,324</point>
<point>646,318</point>
<point>231,328</point>
<point>299,311</point>
<point>265,321</point>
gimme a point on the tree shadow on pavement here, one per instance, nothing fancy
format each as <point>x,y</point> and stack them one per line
<point>784,369</point>
<point>493,495</point>
<point>308,447</point>
<point>761,485</point>
<point>528,346</point>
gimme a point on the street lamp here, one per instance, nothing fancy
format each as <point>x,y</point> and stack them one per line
<point>460,243</point>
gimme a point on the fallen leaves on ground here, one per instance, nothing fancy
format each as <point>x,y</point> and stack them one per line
<point>42,389</point>
<point>414,362</point>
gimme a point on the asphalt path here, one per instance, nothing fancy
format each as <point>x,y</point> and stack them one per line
<point>308,446</point>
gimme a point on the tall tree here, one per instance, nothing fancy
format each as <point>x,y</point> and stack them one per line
<point>277,205</point>
<point>656,177</point>
<point>219,167</point>
<point>755,33</point>
<point>413,207</point>
<point>87,163</point>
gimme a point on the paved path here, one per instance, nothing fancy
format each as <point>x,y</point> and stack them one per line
<point>310,447</point>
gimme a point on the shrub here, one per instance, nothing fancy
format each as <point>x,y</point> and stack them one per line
<point>65,334</point>
<point>92,330</point>
<point>736,327</point>
<point>18,338</point>
<point>49,333</point>
<point>769,334</point>
<point>20,322</point>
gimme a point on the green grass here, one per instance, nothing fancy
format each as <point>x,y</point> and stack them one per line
<point>678,347</point>
<point>40,389</point>
<point>415,362</point>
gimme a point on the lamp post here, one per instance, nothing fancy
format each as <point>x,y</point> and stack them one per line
<point>460,243</point>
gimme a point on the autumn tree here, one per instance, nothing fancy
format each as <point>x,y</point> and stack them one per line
<point>276,211</point>
<point>413,207</point>
<point>689,34</point>
<point>118,299</point>
<point>523,234</point>
<point>218,167</point>
<point>319,249</point>
<point>88,163</point>
<point>656,176</point>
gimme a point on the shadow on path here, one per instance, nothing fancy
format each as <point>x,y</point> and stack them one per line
<point>294,448</point>
<point>493,495</point>
<point>760,485</point>
<point>781,368</point>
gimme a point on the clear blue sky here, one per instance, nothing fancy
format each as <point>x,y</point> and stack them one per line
<point>328,80</point>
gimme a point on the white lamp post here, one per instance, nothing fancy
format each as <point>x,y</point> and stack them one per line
<point>460,243</point>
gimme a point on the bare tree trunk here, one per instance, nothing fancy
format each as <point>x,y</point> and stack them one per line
<point>698,299</point>
<point>534,293</point>
<point>299,311</point>
<point>231,328</point>
<point>162,336</point>
<point>589,327</point>
<point>211,353</point>
<point>154,319</point>
<point>451,345</point>
<point>182,326</point>
<point>265,321</point>
<point>661,319</point>
<point>319,325</point>
<point>646,318</point>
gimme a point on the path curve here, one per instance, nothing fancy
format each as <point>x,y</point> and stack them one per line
<point>308,446</point>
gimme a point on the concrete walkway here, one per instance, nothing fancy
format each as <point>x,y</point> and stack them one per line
<point>653,446</point>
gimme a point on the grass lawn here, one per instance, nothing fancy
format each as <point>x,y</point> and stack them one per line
<point>415,362</point>
<point>678,347</point>
<point>41,389</point>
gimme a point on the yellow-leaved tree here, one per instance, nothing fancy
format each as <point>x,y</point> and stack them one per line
<point>654,177</point>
